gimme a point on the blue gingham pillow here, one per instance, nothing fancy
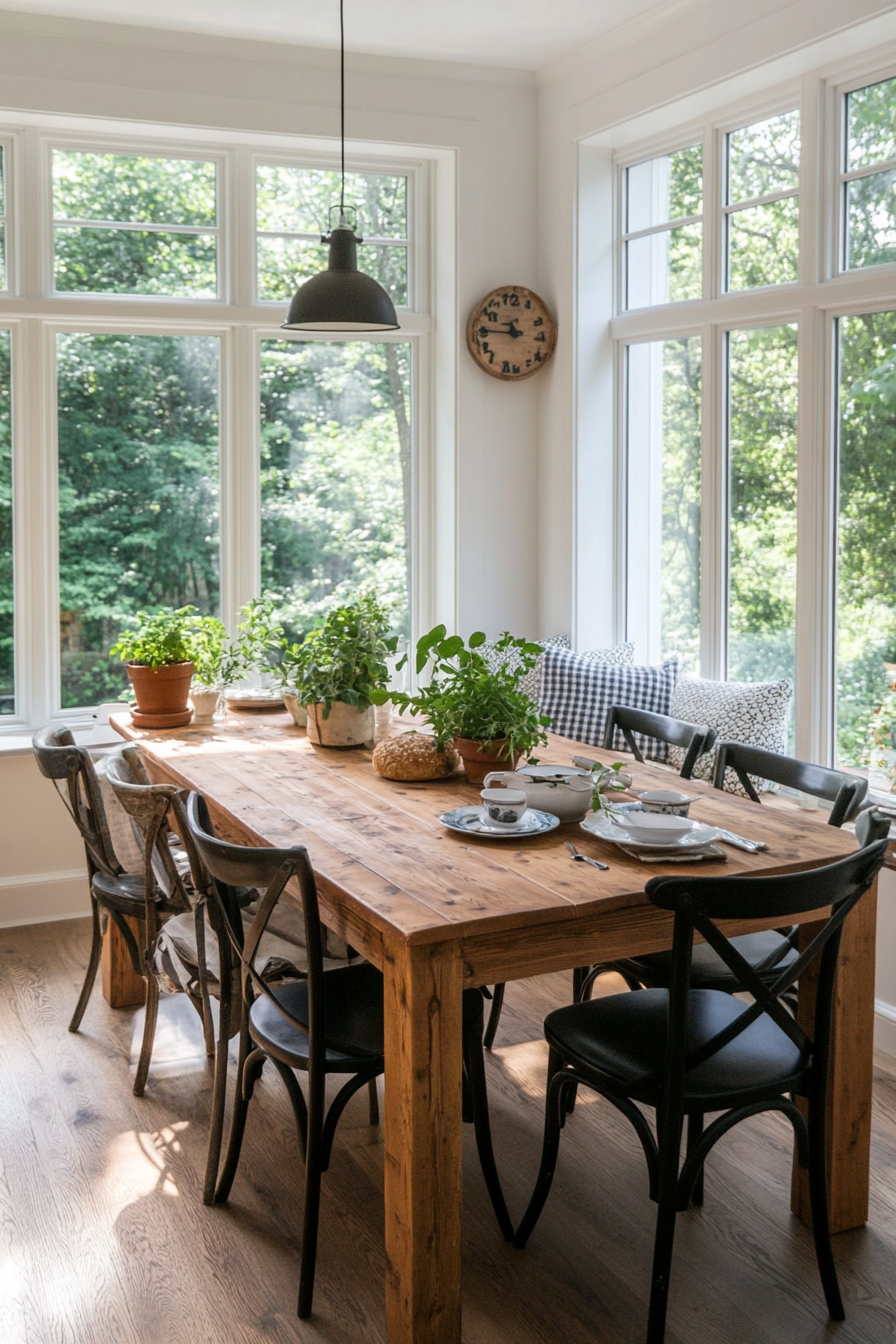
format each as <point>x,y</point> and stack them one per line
<point>577,694</point>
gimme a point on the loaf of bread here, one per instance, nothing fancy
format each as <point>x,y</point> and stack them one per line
<point>413,756</point>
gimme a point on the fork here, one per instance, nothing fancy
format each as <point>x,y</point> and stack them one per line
<point>583,858</point>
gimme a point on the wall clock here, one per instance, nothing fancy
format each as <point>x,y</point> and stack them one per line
<point>511,333</point>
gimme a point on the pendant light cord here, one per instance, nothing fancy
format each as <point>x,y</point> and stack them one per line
<point>342,107</point>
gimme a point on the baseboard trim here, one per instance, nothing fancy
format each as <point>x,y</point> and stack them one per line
<point>61,895</point>
<point>885,1027</point>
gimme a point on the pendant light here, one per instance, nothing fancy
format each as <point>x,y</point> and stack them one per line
<point>341,298</point>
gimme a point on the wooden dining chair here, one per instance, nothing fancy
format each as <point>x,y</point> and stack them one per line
<point>844,792</point>
<point>687,1051</point>
<point>768,953</point>
<point>330,1022</point>
<point>694,738</point>
<point>114,894</point>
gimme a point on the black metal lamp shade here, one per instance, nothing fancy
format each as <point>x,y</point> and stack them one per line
<point>341,298</point>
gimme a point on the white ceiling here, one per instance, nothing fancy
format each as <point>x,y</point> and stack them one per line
<point>523,33</point>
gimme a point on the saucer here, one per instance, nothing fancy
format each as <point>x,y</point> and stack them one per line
<point>468,821</point>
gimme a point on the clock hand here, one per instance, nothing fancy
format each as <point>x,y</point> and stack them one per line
<point>510,330</point>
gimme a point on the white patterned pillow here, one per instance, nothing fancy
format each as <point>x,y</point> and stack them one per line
<point>752,712</point>
<point>578,693</point>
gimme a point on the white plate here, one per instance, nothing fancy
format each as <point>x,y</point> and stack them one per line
<point>596,823</point>
<point>468,821</point>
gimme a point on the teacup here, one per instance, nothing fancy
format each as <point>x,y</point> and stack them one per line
<point>667,801</point>
<point>503,807</point>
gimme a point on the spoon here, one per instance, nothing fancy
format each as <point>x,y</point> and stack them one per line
<point>583,858</point>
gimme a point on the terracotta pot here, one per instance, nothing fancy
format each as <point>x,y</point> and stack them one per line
<point>344,726</point>
<point>480,758</point>
<point>161,694</point>
<point>299,712</point>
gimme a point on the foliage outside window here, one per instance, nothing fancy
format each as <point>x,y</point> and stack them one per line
<point>138,493</point>
<point>293,207</point>
<point>663,233</point>
<point>762,465</point>
<point>336,477</point>
<point>132,224</point>
<point>869,176</point>
<point>7,668</point>
<point>762,203</point>
<point>866,545</point>
<point>663,418</point>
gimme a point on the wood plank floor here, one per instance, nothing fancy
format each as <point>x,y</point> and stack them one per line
<point>104,1238</point>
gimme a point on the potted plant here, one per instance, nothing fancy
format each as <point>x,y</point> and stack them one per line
<point>158,653</point>
<point>252,654</point>
<point>287,672</point>
<point>210,650</point>
<point>339,672</point>
<point>477,701</point>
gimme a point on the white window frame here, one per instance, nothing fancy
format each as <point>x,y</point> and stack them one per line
<point>34,313</point>
<point>823,293</point>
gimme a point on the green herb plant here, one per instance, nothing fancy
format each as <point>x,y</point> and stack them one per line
<point>471,696</point>
<point>344,660</point>
<point>209,646</point>
<point>158,639</point>
<point>605,779</point>
<point>256,648</point>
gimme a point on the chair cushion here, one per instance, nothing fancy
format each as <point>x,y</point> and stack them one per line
<point>354,1009</point>
<point>126,894</point>
<point>623,1037</point>
<point>755,713</point>
<point>578,693</point>
<point>709,971</point>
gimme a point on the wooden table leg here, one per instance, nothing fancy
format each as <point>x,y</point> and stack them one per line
<point>122,986</point>
<point>849,1106</point>
<point>423,1178</point>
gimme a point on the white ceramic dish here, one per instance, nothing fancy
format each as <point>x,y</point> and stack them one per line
<point>469,821</point>
<point>656,827</point>
<point>618,833</point>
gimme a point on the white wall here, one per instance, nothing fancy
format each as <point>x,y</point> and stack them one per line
<point>486,116</point>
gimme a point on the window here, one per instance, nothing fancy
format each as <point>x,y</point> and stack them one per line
<point>182,449</point>
<point>7,663</point>
<point>663,416</point>
<point>138,493</point>
<point>134,225</point>
<point>762,497</point>
<point>869,176</point>
<point>866,546</point>
<point>663,235</point>
<point>296,206</point>
<point>761,213</point>
<point>336,476</point>
<point>758,441</point>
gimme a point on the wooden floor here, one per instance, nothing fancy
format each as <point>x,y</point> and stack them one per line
<point>104,1238</point>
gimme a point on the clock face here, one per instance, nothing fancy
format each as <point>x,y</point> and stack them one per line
<point>511,333</point>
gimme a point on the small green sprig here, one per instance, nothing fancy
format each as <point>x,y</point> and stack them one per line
<point>605,779</point>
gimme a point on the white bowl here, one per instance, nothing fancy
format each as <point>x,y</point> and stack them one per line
<point>655,828</point>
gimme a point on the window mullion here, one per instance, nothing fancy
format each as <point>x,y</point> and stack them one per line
<point>813,623</point>
<point>714,530</point>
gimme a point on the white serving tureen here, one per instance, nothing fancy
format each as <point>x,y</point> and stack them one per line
<point>565,791</point>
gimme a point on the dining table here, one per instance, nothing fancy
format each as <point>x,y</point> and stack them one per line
<point>439,912</point>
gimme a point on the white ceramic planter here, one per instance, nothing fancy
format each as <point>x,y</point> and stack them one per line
<point>205,701</point>
<point>345,726</point>
<point>298,712</point>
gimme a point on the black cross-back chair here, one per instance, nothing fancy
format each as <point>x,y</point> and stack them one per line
<point>695,738</point>
<point>114,894</point>
<point>330,1022</point>
<point>845,792</point>
<point>769,952</point>
<point>686,1051</point>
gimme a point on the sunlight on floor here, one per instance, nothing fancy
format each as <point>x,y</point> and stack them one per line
<point>137,1165</point>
